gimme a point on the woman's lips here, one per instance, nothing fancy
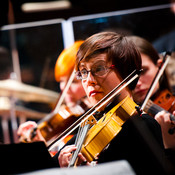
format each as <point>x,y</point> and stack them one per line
<point>93,93</point>
<point>141,91</point>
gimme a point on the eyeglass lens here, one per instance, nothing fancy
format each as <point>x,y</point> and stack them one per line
<point>98,69</point>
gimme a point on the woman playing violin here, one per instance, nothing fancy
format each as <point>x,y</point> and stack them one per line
<point>150,62</point>
<point>102,62</point>
<point>75,94</point>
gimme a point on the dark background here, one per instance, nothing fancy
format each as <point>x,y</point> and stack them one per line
<point>79,7</point>
<point>39,47</point>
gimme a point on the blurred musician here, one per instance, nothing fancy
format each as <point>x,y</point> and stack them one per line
<point>75,94</point>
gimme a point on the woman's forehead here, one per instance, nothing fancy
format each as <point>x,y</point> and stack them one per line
<point>93,59</point>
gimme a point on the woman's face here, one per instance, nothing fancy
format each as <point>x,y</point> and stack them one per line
<point>97,87</point>
<point>75,92</point>
<point>145,80</point>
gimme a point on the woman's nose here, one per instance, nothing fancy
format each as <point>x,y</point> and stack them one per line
<point>139,82</point>
<point>91,79</point>
<point>62,85</point>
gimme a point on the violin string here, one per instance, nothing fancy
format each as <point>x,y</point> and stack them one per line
<point>78,137</point>
<point>80,130</point>
<point>78,134</point>
<point>80,142</point>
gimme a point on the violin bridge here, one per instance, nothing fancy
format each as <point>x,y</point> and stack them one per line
<point>91,121</point>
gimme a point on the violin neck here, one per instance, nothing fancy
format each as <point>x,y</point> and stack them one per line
<point>152,109</point>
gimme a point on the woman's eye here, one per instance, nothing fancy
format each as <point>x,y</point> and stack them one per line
<point>144,70</point>
<point>84,71</point>
<point>75,81</point>
<point>99,69</point>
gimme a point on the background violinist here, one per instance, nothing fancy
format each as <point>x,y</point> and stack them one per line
<point>150,62</point>
<point>75,94</point>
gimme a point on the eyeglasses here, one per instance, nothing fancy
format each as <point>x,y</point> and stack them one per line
<point>98,69</point>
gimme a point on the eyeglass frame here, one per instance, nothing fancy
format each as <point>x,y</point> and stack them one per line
<point>81,78</point>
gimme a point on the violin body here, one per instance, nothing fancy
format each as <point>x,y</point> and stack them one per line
<point>101,134</point>
<point>58,122</point>
<point>165,100</point>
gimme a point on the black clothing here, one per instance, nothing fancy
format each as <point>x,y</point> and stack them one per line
<point>24,157</point>
<point>140,143</point>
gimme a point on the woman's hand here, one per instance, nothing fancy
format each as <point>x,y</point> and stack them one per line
<point>66,154</point>
<point>163,118</point>
<point>25,132</point>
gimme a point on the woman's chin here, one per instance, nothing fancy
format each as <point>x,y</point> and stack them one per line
<point>70,103</point>
<point>94,101</point>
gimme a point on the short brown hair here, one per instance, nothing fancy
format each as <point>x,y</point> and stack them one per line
<point>145,47</point>
<point>118,49</point>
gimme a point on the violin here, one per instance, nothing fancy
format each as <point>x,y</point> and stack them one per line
<point>166,100</point>
<point>102,133</point>
<point>152,109</point>
<point>163,101</point>
<point>58,122</point>
<point>62,116</point>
